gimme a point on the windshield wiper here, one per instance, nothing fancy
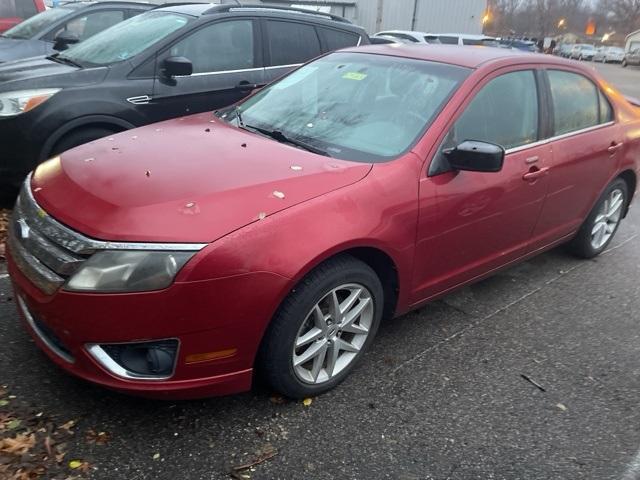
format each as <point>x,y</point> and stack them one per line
<point>64,60</point>
<point>282,138</point>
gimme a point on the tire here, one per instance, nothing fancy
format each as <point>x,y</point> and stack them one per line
<point>80,137</point>
<point>307,308</point>
<point>586,244</point>
<point>624,64</point>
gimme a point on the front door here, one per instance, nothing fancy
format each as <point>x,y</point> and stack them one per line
<point>470,222</point>
<point>227,64</point>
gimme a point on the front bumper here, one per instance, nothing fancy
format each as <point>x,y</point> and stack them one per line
<point>220,315</point>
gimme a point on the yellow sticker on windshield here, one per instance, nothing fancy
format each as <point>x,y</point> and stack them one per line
<point>354,76</point>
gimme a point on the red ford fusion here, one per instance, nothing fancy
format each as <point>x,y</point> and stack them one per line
<point>272,237</point>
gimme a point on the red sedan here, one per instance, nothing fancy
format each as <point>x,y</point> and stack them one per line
<point>273,236</point>
<point>13,12</point>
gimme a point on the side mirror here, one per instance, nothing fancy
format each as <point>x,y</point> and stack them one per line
<point>62,41</point>
<point>475,156</point>
<point>177,67</point>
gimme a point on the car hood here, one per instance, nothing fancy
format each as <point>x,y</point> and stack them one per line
<point>15,49</point>
<point>192,179</point>
<point>38,72</point>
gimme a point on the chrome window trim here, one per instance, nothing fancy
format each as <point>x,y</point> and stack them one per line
<point>78,243</point>
<point>40,333</point>
<point>273,67</point>
<point>99,355</point>
<point>221,72</point>
<point>558,137</point>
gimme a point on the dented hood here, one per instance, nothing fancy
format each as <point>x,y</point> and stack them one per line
<point>192,179</point>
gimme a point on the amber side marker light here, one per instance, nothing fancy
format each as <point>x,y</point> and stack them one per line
<point>208,356</point>
<point>33,102</point>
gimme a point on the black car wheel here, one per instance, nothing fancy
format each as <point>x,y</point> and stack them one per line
<point>322,329</point>
<point>80,137</point>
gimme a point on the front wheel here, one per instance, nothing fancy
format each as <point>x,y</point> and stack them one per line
<point>602,223</point>
<point>624,64</point>
<point>322,329</point>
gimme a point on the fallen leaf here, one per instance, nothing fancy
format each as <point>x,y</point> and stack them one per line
<point>307,401</point>
<point>4,403</point>
<point>74,464</point>
<point>99,438</point>
<point>19,445</point>
<point>68,426</point>
<point>277,400</point>
<point>561,407</point>
<point>13,424</point>
<point>156,456</point>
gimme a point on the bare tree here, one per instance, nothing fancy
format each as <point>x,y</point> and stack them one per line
<point>625,14</point>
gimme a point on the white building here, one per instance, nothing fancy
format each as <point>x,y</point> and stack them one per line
<point>433,16</point>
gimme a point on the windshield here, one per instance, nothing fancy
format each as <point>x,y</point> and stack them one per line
<point>36,24</point>
<point>126,39</point>
<point>354,106</point>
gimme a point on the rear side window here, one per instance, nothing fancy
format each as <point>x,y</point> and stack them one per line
<point>448,40</point>
<point>606,112</point>
<point>336,39</point>
<point>576,102</point>
<point>504,112</point>
<point>470,41</point>
<point>219,47</point>
<point>291,43</point>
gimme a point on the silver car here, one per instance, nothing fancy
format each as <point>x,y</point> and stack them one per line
<point>609,54</point>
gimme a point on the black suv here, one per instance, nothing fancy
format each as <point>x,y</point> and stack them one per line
<point>167,62</point>
<point>57,28</point>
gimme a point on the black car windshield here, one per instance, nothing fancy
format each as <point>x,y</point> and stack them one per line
<point>35,25</point>
<point>126,39</point>
<point>353,106</point>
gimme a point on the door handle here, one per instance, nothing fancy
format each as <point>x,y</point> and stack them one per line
<point>534,175</point>
<point>614,147</point>
<point>245,86</point>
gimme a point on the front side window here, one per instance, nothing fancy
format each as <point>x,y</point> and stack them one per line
<point>126,39</point>
<point>219,47</point>
<point>88,25</point>
<point>575,101</point>
<point>504,112</point>
<point>355,106</point>
<point>36,24</point>
<point>291,43</point>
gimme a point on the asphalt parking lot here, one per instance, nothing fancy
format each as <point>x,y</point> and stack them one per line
<point>532,374</point>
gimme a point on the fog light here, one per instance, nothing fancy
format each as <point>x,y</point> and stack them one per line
<point>145,360</point>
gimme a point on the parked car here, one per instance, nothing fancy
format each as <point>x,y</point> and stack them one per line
<point>13,12</point>
<point>162,64</point>
<point>564,50</point>
<point>463,39</point>
<point>524,45</point>
<point>632,58</point>
<point>387,39</point>
<point>177,259</point>
<point>57,28</point>
<point>407,36</point>
<point>609,54</point>
<point>582,51</point>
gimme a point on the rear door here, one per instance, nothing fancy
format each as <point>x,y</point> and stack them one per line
<point>586,144</point>
<point>227,64</point>
<point>287,45</point>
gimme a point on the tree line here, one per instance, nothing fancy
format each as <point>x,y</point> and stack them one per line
<point>542,18</point>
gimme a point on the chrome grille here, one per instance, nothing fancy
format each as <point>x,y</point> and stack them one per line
<point>42,248</point>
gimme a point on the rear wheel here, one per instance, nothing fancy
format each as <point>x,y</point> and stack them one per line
<point>602,223</point>
<point>80,137</point>
<point>322,329</point>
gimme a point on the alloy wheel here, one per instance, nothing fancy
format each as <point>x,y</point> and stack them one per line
<point>607,220</point>
<point>333,333</point>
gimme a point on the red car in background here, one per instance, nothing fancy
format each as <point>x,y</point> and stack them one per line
<point>177,259</point>
<point>13,12</point>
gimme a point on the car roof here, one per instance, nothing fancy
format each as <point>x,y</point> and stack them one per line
<point>469,36</point>
<point>463,56</point>
<point>197,9</point>
<point>406,32</point>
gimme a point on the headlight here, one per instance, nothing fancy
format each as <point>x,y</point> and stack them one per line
<point>15,103</point>
<point>113,271</point>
